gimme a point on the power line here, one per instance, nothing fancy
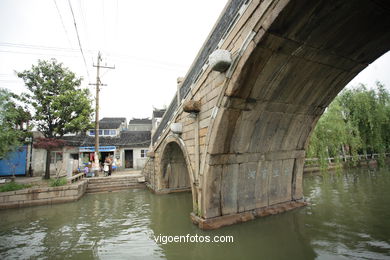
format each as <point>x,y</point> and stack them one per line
<point>84,23</point>
<point>116,24</point>
<point>78,38</point>
<point>62,22</point>
<point>38,47</point>
<point>41,54</point>
<point>153,62</point>
<point>104,27</point>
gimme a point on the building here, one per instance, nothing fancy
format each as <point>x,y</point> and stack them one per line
<point>156,118</point>
<point>129,147</point>
<point>140,124</point>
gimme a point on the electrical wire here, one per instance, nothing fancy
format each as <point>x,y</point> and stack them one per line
<point>62,22</point>
<point>69,51</point>
<point>78,38</point>
<point>84,23</point>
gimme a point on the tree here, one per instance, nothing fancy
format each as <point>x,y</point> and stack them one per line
<point>13,123</point>
<point>60,105</point>
<point>333,134</point>
<point>358,119</point>
<point>369,111</point>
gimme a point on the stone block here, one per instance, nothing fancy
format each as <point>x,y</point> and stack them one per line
<point>220,60</point>
<point>191,106</point>
<point>17,198</point>
<point>177,128</point>
<point>229,188</point>
<point>150,154</point>
<point>246,186</point>
<point>212,199</point>
<point>203,131</point>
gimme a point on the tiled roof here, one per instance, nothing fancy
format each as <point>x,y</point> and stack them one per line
<point>113,119</point>
<point>109,125</point>
<point>126,138</point>
<point>140,121</point>
<point>111,122</point>
<point>158,113</point>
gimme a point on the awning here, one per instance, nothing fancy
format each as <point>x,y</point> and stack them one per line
<point>91,149</point>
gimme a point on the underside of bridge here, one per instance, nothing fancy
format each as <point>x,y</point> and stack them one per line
<point>302,54</point>
<point>174,169</point>
<point>241,150</point>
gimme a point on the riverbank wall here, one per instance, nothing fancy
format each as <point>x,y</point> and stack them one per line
<point>69,193</point>
<point>332,166</point>
<point>42,196</point>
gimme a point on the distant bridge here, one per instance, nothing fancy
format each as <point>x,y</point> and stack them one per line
<point>236,132</point>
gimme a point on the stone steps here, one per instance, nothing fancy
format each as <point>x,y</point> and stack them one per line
<point>114,183</point>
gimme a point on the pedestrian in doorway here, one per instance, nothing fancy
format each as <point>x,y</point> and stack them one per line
<point>109,166</point>
<point>106,167</point>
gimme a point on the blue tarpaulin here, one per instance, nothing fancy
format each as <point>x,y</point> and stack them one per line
<point>91,149</point>
<point>14,163</point>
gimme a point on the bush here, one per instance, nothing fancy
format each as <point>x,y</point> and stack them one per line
<point>58,182</point>
<point>10,186</point>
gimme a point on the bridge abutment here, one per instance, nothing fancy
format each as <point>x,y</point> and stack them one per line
<point>244,153</point>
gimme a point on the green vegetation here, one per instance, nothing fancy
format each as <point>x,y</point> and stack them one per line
<point>356,122</point>
<point>13,123</point>
<point>10,186</point>
<point>60,105</point>
<point>58,182</point>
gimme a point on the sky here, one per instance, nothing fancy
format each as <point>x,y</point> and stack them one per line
<point>150,43</point>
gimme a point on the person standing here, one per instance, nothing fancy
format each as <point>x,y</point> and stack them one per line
<point>106,167</point>
<point>109,166</point>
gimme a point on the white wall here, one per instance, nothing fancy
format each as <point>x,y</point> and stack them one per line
<point>138,162</point>
<point>39,161</point>
<point>139,127</point>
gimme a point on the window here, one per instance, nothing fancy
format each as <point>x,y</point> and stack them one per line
<point>70,134</point>
<point>92,132</point>
<point>55,157</point>
<point>143,153</point>
<point>109,132</point>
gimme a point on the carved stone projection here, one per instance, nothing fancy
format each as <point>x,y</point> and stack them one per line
<point>244,149</point>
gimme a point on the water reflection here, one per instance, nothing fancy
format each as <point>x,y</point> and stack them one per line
<point>348,217</point>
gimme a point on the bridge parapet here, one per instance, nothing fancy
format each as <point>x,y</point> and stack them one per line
<point>244,148</point>
<point>220,30</point>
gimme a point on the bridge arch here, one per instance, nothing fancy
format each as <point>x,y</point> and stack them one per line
<point>293,64</point>
<point>247,136</point>
<point>176,173</point>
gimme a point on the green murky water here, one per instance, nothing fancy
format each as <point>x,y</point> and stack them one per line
<point>348,218</point>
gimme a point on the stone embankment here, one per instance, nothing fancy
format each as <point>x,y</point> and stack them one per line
<point>68,193</point>
<point>114,183</point>
<point>42,196</point>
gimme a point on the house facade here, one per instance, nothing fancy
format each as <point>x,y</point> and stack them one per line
<point>128,144</point>
<point>140,124</point>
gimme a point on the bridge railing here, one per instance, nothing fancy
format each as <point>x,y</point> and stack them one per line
<point>341,158</point>
<point>229,17</point>
<point>164,121</point>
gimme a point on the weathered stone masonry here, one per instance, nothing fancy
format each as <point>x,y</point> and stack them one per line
<point>245,148</point>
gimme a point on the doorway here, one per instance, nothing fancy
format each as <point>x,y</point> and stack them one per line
<point>129,159</point>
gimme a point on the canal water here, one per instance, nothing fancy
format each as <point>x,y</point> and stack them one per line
<point>348,218</point>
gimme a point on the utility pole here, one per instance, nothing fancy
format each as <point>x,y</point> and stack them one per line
<point>98,84</point>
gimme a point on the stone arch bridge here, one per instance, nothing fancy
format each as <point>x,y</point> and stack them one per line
<point>236,131</point>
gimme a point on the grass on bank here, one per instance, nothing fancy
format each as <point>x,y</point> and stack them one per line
<point>58,182</point>
<point>11,186</point>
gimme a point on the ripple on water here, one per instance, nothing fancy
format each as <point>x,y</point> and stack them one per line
<point>348,218</point>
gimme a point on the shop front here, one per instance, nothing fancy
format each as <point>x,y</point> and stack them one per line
<point>87,154</point>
